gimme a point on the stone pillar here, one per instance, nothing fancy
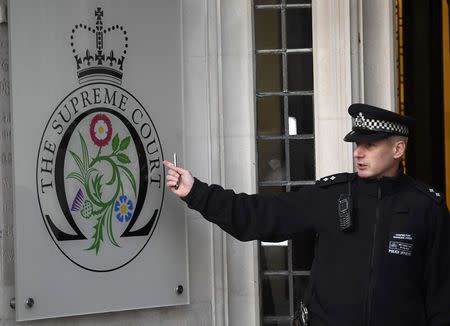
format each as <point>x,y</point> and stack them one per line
<point>379,53</point>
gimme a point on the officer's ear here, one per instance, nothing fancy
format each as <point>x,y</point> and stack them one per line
<point>399,146</point>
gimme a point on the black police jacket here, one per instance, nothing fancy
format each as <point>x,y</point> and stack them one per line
<point>392,268</point>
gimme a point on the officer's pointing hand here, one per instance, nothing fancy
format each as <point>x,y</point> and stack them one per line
<point>178,180</point>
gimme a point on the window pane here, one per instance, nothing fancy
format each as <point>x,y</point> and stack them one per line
<point>303,251</point>
<point>292,2</point>
<point>275,295</point>
<point>271,160</point>
<point>302,159</point>
<point>267,29</point>
<point>268,73</point>
<point>270,115</point>
<point>277,323</point>
<point>300,286</point>
<point>299,28</point>
<point>267,2</point>
<point>301,111</point>
<point>273,258</point>
<point>300,72</point>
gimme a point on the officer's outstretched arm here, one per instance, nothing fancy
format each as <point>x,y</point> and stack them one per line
<point>253,217</point>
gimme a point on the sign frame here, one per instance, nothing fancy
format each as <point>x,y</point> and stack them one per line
<point>65,167</point>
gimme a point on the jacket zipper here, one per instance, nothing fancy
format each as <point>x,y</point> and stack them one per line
<point>372,258</point>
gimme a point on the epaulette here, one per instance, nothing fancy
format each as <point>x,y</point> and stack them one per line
<point>436,195</point>
<point>335,179</point>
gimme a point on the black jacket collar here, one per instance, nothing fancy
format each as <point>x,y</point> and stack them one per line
<point>381,186</point>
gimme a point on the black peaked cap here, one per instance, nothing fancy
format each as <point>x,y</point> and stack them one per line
<point>370,123</point>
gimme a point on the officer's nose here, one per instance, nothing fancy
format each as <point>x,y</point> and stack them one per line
<point>359,151</point>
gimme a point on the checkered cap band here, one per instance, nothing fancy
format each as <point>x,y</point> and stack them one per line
<point>379,125</point>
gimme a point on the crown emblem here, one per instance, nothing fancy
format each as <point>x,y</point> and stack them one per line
<point>105,61</point>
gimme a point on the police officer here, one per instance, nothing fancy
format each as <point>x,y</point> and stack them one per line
<point>383,249</point>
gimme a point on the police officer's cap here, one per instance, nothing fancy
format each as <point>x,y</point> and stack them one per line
<point>370,123</point>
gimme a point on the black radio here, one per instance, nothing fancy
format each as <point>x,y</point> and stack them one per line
<point>345,210</point>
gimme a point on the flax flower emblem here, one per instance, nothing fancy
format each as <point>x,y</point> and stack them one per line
<point>123,207</point>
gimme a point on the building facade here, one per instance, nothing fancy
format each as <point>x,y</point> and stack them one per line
<point>230,139</point>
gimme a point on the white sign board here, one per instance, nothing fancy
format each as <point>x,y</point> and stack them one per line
<point>96,106</point>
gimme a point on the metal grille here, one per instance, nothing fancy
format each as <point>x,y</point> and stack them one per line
<point>285,141</point>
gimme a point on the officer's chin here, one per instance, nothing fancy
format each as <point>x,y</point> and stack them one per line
<point>365,173</point>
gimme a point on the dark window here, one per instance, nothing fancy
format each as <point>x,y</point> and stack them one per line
<point>285,142</point>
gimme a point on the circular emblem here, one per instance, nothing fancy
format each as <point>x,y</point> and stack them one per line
<point>99,177</point>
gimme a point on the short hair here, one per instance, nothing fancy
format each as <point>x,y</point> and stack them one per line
<point>396,138</point>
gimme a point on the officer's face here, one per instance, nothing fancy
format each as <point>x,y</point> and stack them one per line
<point>377,159</point>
